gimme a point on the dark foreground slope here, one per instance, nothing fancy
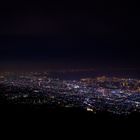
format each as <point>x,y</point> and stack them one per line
<point>44,118</point>
<point>65,117</point>
<point>57,118</point>
<point>44,121</point>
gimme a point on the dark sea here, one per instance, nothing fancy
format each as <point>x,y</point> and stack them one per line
<point>76,75</point>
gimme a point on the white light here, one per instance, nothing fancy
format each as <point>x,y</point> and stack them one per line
<point>76,86</point>
<point>90,109</point>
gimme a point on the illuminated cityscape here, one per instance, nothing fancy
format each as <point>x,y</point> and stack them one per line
<point>98,94</point>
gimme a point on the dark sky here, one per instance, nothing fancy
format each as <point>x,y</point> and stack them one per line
<point>63,33</point>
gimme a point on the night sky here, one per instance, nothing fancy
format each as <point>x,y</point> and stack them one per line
<point>66,33</point>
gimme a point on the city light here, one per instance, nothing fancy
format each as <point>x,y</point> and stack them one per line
<point>110,94</point>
